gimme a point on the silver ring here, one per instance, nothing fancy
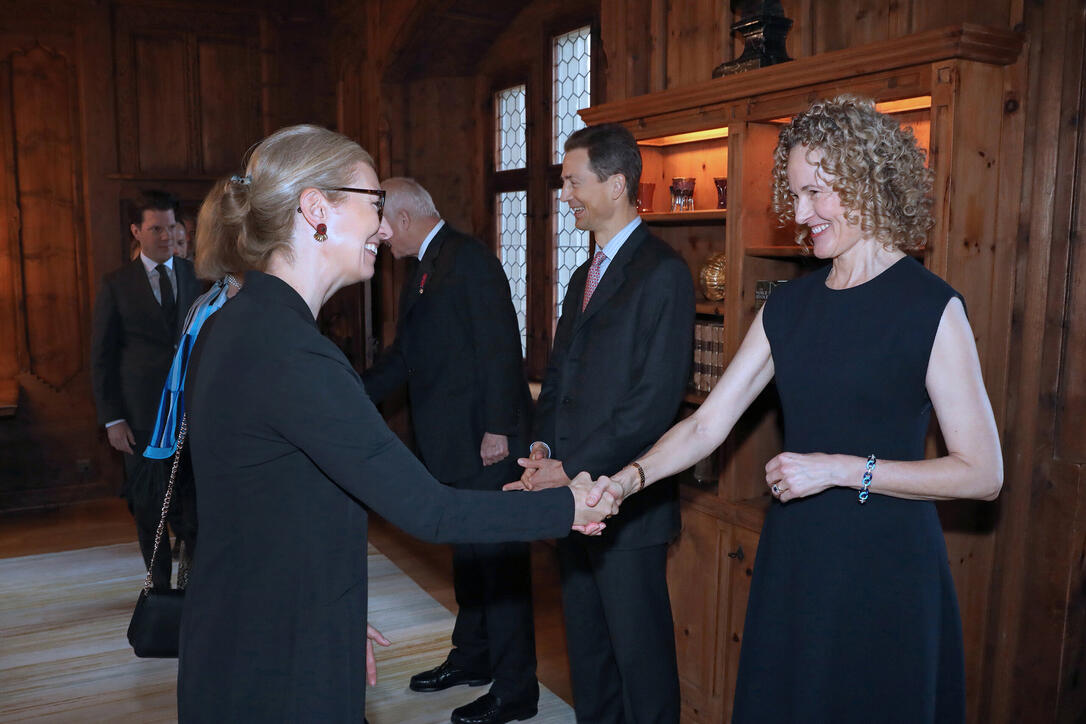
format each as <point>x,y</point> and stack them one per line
<point>776,489</point>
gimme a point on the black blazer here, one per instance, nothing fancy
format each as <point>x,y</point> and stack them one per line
<point>132,347</point>
<point>616,377</point>
<point>457,349</point>
<point>286,447</point>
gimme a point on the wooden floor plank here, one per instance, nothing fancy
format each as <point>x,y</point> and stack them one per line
<point>64,657</point>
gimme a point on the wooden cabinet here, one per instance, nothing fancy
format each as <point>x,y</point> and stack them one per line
<point>709,573</point>
<point>956,89</point>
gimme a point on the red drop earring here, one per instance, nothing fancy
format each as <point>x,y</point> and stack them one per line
<point>321,234</point>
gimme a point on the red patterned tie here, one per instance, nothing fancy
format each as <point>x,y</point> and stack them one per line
<point>593,277</point>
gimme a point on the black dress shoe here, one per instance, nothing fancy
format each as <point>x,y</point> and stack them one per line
<point>445,676</point>
<point>489,709</point>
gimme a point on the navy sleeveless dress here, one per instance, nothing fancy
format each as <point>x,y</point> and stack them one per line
<point>852,614</point>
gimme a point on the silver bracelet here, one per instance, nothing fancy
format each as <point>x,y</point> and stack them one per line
<point>866,482</point>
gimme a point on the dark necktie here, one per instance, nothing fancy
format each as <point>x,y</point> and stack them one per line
<point>165,289</point>
<point>593,277</point>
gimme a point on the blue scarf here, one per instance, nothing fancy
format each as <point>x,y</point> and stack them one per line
<point>171,407</point>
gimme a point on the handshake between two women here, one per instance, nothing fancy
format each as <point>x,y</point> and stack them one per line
<point>595,500</point>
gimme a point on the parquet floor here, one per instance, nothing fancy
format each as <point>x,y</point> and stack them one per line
<point>69,580</point>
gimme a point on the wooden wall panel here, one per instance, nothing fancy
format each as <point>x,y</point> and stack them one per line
<point>1037,594</point>
<point>11,284</point>
<point>695,40</point>
<point>443,146</point>
<point>929,14</point>
<point>160,66</point>
<point>47,163</point>
<point>695,556</point>
<point>48,445</point>
<point>741,556</point>
<point>635,51</point>
<point>696,35</point>
<point>1070,433</point>
<point>846,23</point>
<point>106,102</point>
<point>800,41</point>
<point>229,93</point>
<point>298,92</point>
<point>1072,686</point>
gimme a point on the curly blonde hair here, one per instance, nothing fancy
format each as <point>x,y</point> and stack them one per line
<point>876,166</point>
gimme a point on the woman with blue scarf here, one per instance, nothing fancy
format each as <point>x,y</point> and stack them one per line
<point>211,263</point>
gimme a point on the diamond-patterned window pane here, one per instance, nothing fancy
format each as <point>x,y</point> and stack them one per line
<point>512,150</point>
<point>572,84</point>
<point>513,239</point>
<point>571,250</point>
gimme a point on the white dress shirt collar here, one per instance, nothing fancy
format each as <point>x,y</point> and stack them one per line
<point>149,265</point>
<point>610,250</point>
<point>430,237</point>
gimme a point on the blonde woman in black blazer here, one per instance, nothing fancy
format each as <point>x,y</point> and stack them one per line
<point>286,448</point>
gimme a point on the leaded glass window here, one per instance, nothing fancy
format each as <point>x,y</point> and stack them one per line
<point>571,250</point>
<point>510,121</point>
<point>572,84</point>
<point>513,238</point>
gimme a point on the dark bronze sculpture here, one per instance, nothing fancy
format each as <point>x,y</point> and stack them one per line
<point>764,27</point>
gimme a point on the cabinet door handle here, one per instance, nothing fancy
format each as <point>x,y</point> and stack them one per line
<point>737,554</point>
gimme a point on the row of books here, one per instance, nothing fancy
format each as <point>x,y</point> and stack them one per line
<point>709,362</point>
<point>708,355</point>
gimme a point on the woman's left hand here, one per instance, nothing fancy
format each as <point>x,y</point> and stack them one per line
<point>373,635</point>
<point>793,475</point>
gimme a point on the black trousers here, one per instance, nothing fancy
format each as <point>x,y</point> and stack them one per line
<point>619,633</point>
<point>145,491</point>
<point>494,632</point>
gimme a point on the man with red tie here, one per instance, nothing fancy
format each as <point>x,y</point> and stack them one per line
<point>614,382</point>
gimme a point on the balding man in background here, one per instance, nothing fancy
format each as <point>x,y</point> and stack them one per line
<point>457,349</point>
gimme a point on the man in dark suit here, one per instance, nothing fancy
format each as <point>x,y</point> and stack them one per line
<point>457,349</point>
<point>137,318</point>
<point>614,383</point>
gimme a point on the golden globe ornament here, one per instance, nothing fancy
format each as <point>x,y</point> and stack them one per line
<point>712,277</point>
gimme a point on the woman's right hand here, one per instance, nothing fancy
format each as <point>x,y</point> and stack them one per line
<point>373,636</point>
<point>588,518</point>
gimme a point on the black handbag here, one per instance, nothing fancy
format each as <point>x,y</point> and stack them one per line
<point>155,628</point>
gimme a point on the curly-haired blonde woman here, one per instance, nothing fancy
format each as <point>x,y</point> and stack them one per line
<point>852,614</point>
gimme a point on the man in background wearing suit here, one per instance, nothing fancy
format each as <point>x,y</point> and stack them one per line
<point>137,317</point>
<point>614,383</point>
<point>457,349</point>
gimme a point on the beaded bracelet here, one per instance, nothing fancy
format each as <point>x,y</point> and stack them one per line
<point>640,474</point>
<point>866,482</point>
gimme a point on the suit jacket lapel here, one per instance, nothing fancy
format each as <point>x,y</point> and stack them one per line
<point>614,276</point>
<point>424,272</point>
<point>188,288</point>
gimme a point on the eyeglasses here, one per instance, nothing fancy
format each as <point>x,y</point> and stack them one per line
<point>379,193</point>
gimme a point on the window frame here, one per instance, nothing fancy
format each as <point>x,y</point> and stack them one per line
<point>541,178</point>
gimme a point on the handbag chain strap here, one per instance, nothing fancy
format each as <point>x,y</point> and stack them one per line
<point>166,501</point>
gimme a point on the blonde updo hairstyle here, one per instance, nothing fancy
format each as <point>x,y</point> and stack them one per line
<point>877,169</point>
<point>246,219</point>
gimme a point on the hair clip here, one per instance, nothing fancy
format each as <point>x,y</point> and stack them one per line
<point>241,180</point>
